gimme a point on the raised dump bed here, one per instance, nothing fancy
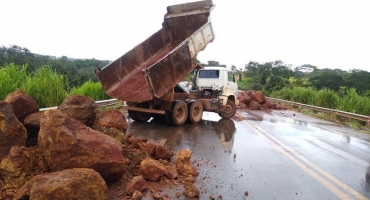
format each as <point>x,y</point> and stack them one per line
<point>153,68</point>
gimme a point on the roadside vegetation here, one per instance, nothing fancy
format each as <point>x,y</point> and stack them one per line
<point>44,85</point>
<point>49,80</point>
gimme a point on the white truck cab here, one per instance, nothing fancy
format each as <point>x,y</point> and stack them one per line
<point>216,81</point>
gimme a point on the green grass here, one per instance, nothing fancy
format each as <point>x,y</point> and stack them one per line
<point>91,89</point>
<point>46,87</point>
<point>12,77</point>
<point>349,102</point>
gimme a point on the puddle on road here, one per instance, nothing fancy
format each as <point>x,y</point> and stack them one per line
<point>186,136</point>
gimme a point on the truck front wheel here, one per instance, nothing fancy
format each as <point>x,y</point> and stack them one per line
<point>230,110</point>
<point>195,110</point>
<point>179,113</point>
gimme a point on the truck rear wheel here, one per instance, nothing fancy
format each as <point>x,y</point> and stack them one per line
<point>195,110</point>
<point>142,117</point>
<point>179,113</point>
<point>132,114</point>
<point>230,110</point>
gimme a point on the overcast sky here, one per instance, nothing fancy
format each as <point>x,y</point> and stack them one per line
<point>324,33</point>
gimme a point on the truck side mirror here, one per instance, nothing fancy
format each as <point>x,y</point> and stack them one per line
<point>234,78</point>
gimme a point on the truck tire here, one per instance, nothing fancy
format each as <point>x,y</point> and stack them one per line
<point>167,118</point>
<point>179,113</point>
<point>229,111</point>
<point>132,114</point>
<point>142,116</point>
<point>195,110</point>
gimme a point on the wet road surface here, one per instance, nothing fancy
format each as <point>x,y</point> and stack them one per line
<point>271,155</point>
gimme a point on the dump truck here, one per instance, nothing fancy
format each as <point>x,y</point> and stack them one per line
<point>147,76</point>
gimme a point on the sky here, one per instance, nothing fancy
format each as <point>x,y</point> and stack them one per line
<point>324,33</point>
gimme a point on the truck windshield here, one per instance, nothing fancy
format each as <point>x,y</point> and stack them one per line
<point>209,74</point>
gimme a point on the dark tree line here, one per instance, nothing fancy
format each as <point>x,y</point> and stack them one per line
<point>78,71</point>
<point>276,75</point>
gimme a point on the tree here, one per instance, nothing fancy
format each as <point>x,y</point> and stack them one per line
<point>327,80</point>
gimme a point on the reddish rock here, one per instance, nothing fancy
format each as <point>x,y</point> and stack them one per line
<point>183,157</point>
<point>190,190</point>
<point>33,120</point>
<point>78,183</point>
<point>67,143</point>
<point>187,170</point>
<point>151,169</point>
<point>171,172</point>
<point>138,183</point>
<point>12,132</point>
<point>266,105</point>
<point>81,108</point>
<point>254,105</point>
<point>247,100</point>
<point>22,104</point>
<point>20,165</point>
<point>32,124</point>
<point>190,179</point>
<point>183,163</point>
<point>131,139</point>
<point>259,96</point>
<point>150,149</point>
<point>137,195</point>
<point>163,153</point>
<point>111,122</point>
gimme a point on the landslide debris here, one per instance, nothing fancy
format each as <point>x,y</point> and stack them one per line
<point>65,158</point>
<point>255,100</point>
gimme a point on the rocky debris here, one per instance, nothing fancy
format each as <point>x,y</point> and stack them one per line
<point>190,190</point>
<point>67,143</point>
<point>18,166</point>
<point>183,163</point>
<point>150,148</point>
<point>151,169</point>
<point>171,172</point>
<point>255,100</point>
<point>137,195</point>
<point>111,122</point>
<point>138,183</point>
<point>22,104</point>
<point>259,96</point>
<point>32,124</point>
<point>78,183</point>
<point>81,108</point>
<point>12,132</point>
<point>162,153</point>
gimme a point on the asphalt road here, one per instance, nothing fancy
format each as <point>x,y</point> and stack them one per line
<point>270,155</point>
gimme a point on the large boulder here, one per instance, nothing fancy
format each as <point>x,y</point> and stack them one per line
<point>32,124</point>
<point>254,105</point>
<point>259,96</point>
<point>18,166</point>
<point>111,122</point>
<point>81,108</point>
<point>78,183</point>
<point>12,132</point>
<point>67,143</point>
<point>22,104</point>
<point>151,169</point>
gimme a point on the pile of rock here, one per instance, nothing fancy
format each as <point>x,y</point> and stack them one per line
<point>255,100</point>
<point>73,152</point>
